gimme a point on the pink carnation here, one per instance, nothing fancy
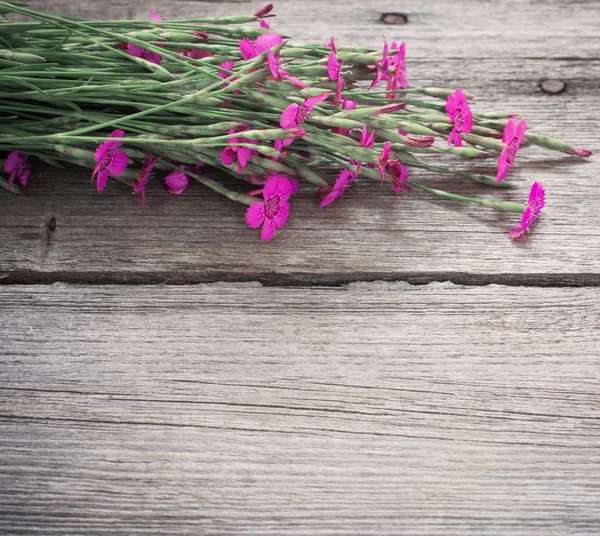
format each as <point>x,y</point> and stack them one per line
<point>293,115</point>
<point>460,115</point>
<point>139,184</point>
<point>16,165</point>
<point>342,184</point>
<point>110,160</point>
<point>512,136</point>
<point>537,201</point>
<point>139,52</point>
<point>273,212</point>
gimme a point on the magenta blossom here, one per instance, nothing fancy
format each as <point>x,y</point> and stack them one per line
<point>252,49</point>
<point>382,67</point>
<point>278,72</point>
<point>110,160</point>
<point>264,24</point>
<point>537,201</point>
<point>139,52</point>
<point>342,184</point>
<point>399,174</point>
<point>155,17</point>
<point>273,212</point>
<point>197,54</point>
<point>460,115</point>
<point>293,115</point>
<point>139,184</point>
<point>512,136</point>
<point>366,140</point>
<point>16,165</point>
<point>228,65</point>
<point>383,159</point>
<point>334,70</point>
<point>234,153</point>
<point>177,182</point>
<point>398,64</point>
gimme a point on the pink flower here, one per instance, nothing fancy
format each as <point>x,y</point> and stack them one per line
<point>331,44</point>
<point>334,69</point>
<point>155,17</point>
<point>342,184</point>
<point>235,153</point>
<point>398,63</point>
<point>460,115</point>
<point>228,65</point>
<point>537,201</point>
<point>366,140</point>
<point>512,136</point>
<point>252,49</point>
<point>139,52</point>
<point>110,160</point>
<point>293,115</point>
<point>383,159</point>
<point>177,182</point>
<point>399,174</point>
<point>139,184</point>
<point>16,165</point>
<point>278,73</point>
<point>382,67</point>
<point>264,24</point>
<point>273,212</point>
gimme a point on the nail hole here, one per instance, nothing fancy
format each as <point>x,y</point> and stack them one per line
<point>52,223</point>
<point>394,18</point>
<point>552,86</point>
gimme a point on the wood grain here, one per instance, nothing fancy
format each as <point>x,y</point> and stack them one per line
<point>240,409</point>
<point>499,51</point>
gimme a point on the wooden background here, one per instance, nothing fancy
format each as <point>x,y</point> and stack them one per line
<point>164,372</point>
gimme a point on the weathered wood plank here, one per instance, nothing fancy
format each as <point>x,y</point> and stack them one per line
<point>371,234</point>
<point>240,409</point>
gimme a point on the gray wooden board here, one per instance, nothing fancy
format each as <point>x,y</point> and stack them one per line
<point>375,408</point>
<point>499,51</point>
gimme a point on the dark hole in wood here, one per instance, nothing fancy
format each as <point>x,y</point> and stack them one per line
<point>52,223</point>
<point>552,86</point>
<point>394,18</point>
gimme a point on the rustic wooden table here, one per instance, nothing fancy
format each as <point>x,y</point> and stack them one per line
<point>164,372</point>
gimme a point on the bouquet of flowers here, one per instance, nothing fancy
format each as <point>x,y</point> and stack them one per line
<point>124,98</point>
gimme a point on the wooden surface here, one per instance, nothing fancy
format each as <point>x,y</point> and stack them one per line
<point>159,406</point>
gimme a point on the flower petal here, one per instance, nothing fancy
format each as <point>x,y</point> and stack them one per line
<point>289,117</point>
<point>118,162</point>
<point>255,215</point>
<point>268,230</point>
<point>282,215</point>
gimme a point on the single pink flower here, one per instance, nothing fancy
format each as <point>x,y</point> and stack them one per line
<point>293,115</point>
<point>342,184</point>
<point>512,136</point>
<point>399,174</point>
<point>398,64</point>
<point>155,17</point>
<point>139,184</point>
<point>331,44</point>
<point>366,140</point>
<point>382,67</point>
<point>264,24</point>
<point>273,212</point>
<point>267,41</point>
<point>110,160</point>
<point>334,70</point>
<point>383,159</point>
<point>139,52</point>
<point>234,153</point>
<point>537,201</point>
<point>177,182</point>
<point>278,72</point>
<point>16,165</point>
<point>460,115</point>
